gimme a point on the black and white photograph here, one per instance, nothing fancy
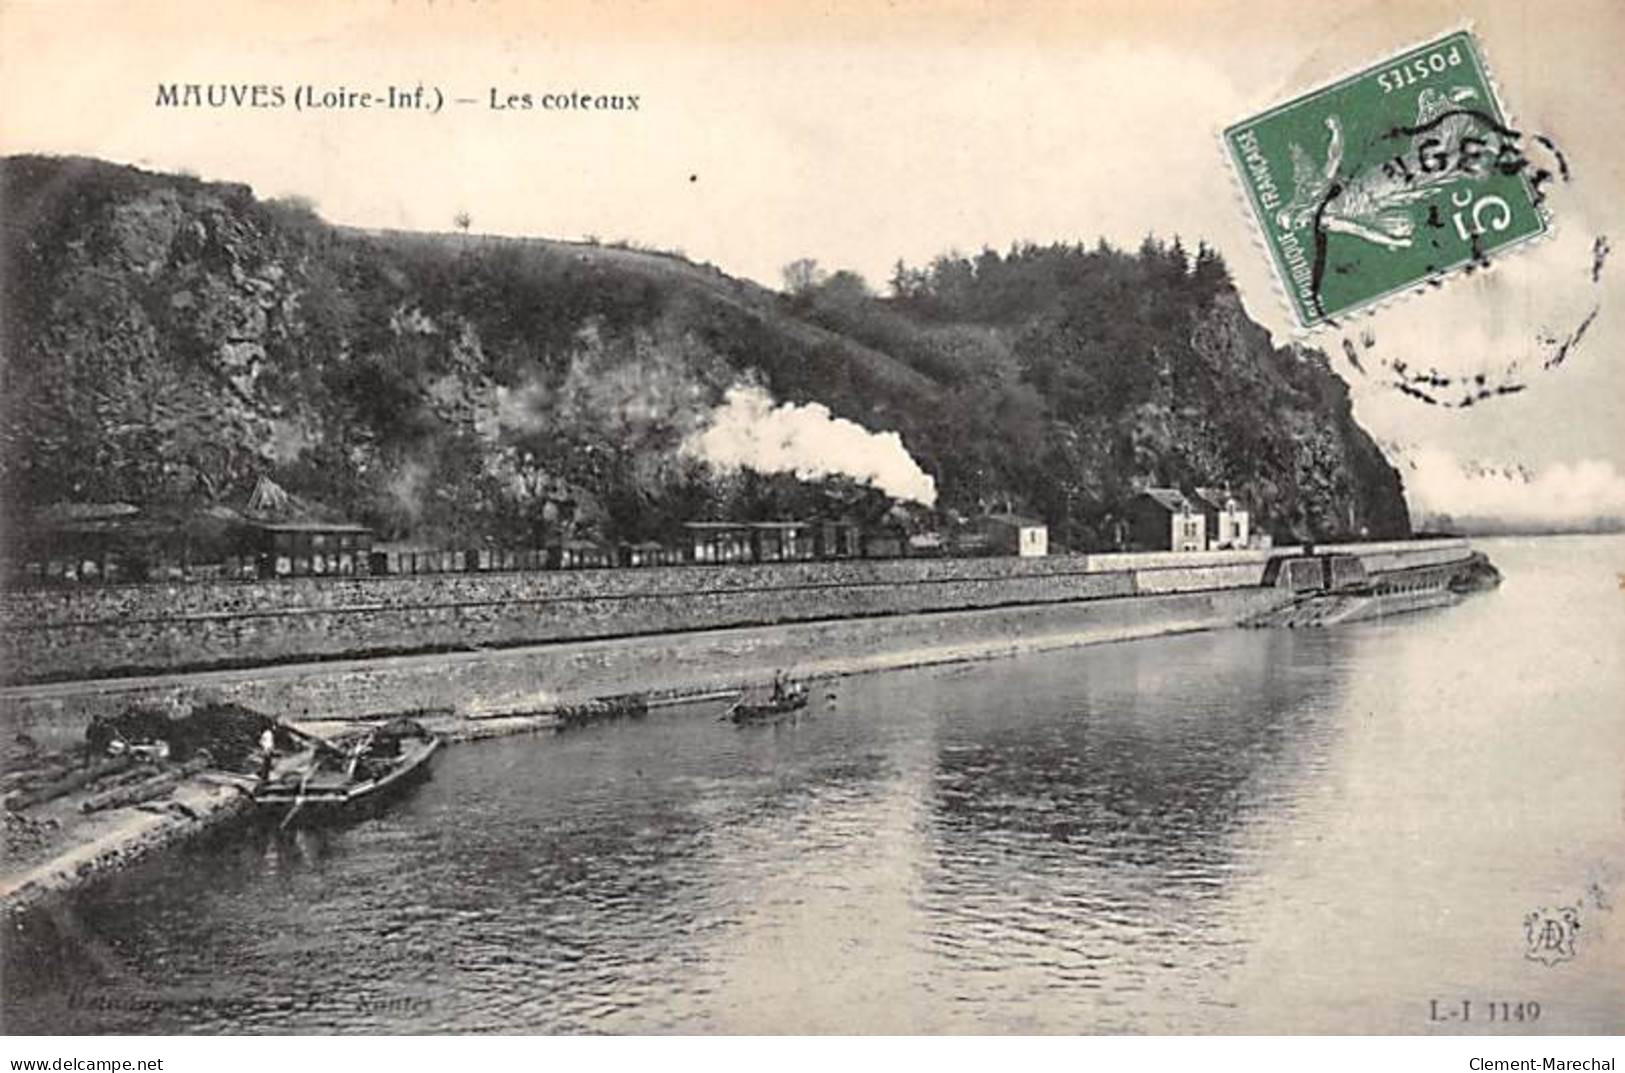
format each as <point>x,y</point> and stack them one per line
<point>930,518</point>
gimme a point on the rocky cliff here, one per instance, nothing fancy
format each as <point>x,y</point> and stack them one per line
<point>169,342</point>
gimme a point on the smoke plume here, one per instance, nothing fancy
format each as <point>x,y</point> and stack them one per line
<point>748,431</point>
<point>1588,494</point>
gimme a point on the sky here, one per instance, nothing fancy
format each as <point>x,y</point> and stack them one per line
<point>860,133</point>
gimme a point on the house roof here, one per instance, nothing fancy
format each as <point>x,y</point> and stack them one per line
<point>720,527</point>
<point>1018,520</point>
<point>58,513</point>
<point>1216,498</point>
<point>310,527</point>
<point>1170,499</point>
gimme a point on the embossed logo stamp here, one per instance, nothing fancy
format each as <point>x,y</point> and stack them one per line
<point>1550,934</point>
<point>1393,177</point>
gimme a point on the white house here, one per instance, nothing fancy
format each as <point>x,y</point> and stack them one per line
<point>1228,522</point>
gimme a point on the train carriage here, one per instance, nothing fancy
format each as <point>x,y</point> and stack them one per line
<point>306,549</point>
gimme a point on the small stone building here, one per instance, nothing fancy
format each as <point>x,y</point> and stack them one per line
<point>1164,519</point>
<point>1012,534</point>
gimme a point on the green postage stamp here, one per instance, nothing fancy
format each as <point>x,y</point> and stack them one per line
<point>1388,179</point>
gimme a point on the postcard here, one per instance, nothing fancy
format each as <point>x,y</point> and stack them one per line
<point>917,518</point>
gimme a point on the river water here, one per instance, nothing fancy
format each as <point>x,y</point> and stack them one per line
<point>1245,831</point>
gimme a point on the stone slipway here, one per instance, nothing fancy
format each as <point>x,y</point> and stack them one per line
<point>90,847</point>
<point>96,845</point>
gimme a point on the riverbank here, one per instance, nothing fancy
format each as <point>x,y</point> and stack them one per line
<point>466,695</point>
<point>56,848</point>
<point>470,696</point>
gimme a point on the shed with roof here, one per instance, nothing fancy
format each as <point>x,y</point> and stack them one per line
<point>1164,519</point>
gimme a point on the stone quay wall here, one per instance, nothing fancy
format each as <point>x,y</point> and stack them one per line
<point>1392,555</point>
<point>482,688</point>
<point>92,631</point>
<point>106,630</point>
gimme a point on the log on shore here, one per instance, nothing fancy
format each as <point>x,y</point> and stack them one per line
<point>21,799</point>
<point>147,789</point>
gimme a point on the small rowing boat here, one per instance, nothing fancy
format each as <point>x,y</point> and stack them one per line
<point>347,777</point>
<point>787,699</point>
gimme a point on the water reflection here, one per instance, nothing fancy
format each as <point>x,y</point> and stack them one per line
<point>1122,838</point>
<point>1083,861</point>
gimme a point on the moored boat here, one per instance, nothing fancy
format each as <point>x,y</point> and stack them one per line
<point>349,776</point>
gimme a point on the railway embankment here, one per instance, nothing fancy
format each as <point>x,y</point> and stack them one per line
<point>101,631</point>
<point>519,643</point>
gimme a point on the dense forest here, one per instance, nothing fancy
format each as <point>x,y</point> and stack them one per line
<point>169,342</point>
